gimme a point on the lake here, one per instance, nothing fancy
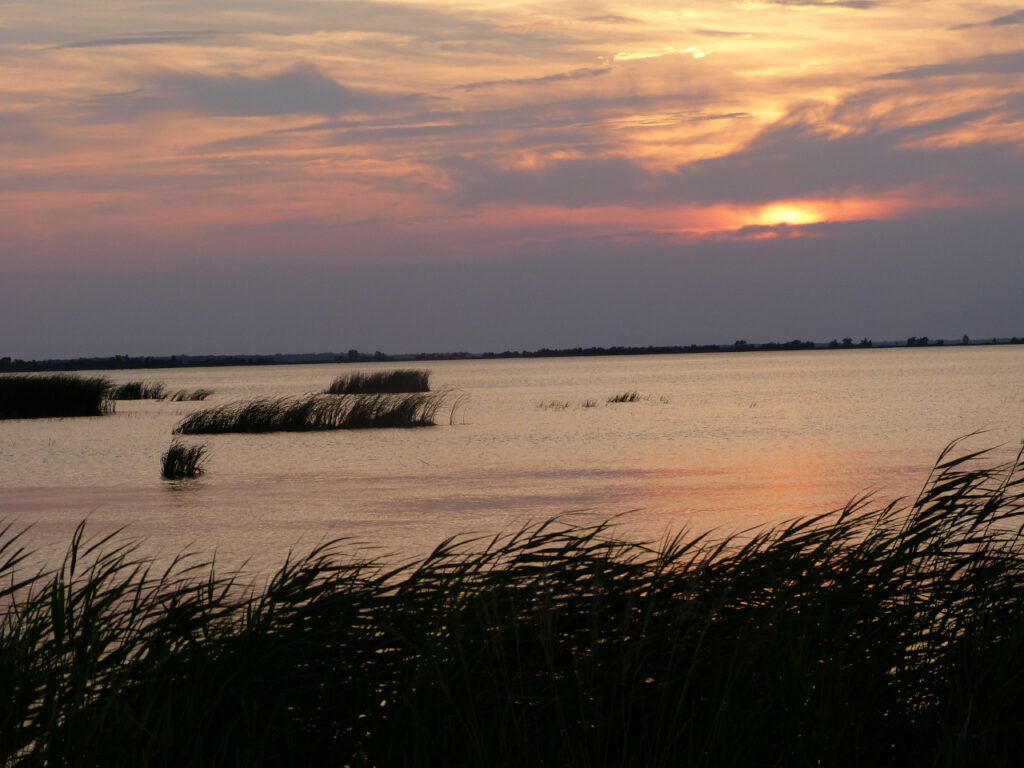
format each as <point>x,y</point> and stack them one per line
<point>724,441</point>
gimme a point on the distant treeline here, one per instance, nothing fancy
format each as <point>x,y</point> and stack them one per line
<point>739,346</point>
<point>124,362</point>
<point>355,356</point>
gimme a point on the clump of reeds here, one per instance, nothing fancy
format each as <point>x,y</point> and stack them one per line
<point>377,382</point>
<point>139,390</point>
<point>556,405</point>
<point>54,395</point>
<point>183,395</point>
<point>316,412</point>
<point>183,461</point>
<point>625,397</point>
<point>889,635</point>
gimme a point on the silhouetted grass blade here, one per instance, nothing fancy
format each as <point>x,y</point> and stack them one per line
<point>874,635</point>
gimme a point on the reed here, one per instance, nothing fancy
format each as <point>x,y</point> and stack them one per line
<point>183,461</point>
<point>378,382</point>
<point>52,396</point>
<point>875,635</point>
<point>139,390</point>
<point>625,397</point>
<point>187,395</point>
<point>317,412</point>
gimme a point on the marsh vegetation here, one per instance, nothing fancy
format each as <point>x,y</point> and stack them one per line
<point>317,412</point>
<point>183,461</point>
<point>139,390</point>
<point>189,395</point>
<point>625,397</point>
<point>377,382</point>
<point>53,396</point>
<point>554,405</point>
<point>875,635</point>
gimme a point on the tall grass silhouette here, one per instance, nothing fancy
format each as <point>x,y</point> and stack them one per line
<point>184,395</point>
<point>316,412</point>
<point>875,635</point>
<point>139,390</point>
<point>183,461</point>
<point>401,380</point>
<point>54,395</point>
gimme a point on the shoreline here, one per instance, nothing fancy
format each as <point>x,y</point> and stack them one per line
<point>144,362</point>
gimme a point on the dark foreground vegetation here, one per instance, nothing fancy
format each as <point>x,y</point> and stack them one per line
<point>315,412</point>
<point>40,397</point>
<point>401,380</point>
<point>183,461</point>
<point>873,636</point>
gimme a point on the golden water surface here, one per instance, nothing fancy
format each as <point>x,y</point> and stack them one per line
<point>717,440</point>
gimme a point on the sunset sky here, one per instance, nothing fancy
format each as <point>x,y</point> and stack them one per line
<point>260,176</point>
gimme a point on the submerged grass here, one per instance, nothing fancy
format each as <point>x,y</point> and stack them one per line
<point>139,390</point>
<point>183,461</point>
<point>555,405</point>
<point>51,396</point>
<point>401,380</point>
<point>625,397</point>
<point>183,395</point>
<point>889,635</point>
<point>316,412</point>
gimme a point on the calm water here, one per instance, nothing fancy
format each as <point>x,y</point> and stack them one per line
<point>730,441</point>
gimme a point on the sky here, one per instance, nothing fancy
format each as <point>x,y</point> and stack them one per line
<point>261,176</point>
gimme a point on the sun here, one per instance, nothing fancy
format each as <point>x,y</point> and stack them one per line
<point>789,213</point>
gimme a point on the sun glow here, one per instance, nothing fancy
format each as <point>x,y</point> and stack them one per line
<point>795,213</point>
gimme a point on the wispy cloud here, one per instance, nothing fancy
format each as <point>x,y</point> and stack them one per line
<point>21,129</point>
<point>792,159</point>
<point>1016,17</point>
<point>1011,63</point>
<point>720,33</point>
<point>301,89</point>
<point>655,53</point>
<point>859,5</point>
<point>568,123</point>
<point>611,18</point>
<point>152,38</point>
<point>576,74</point>
<point>573,183</point>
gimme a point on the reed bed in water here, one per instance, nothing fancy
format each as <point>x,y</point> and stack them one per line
<point>139,390</point>
<point>316,412</point>
<point>889,635</point>
<point>183,461</point>
<point>625,397</point>
<point>52,396</point>
<point>401,380</point>
<point>188,395</point>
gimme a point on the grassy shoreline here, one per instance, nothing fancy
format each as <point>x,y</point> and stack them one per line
<point>876,635</point>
